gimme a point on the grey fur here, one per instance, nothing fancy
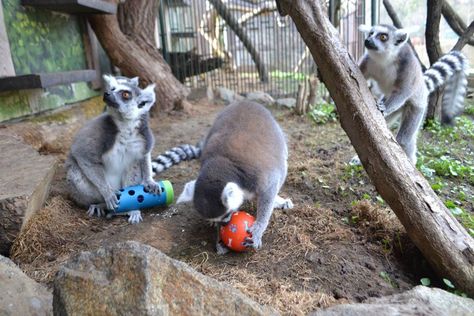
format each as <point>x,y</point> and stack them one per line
<point>392,64</point>
<point>112,150</point>
<point>245,149</point>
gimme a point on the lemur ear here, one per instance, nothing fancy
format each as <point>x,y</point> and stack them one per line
<point>110,80</point>
<point>150,88</point>
<point>401,36</point>
<point>188,192</point>
<point>365,28</point>
<point>232,196</point>
<point>135,81</point>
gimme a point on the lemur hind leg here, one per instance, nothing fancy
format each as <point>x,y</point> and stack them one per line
<point>84,192</point>
<point>407,134</point>
<point>282,203</point>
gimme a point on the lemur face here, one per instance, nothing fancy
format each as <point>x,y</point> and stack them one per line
<point>383,39</point>
<point>125,99</point>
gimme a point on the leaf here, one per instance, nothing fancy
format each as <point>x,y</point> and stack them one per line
<point>425,281</point>
<point>448,283</point>
<point>456,211</point>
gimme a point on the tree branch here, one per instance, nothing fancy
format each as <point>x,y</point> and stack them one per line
<point>455,21</point>
<point>464,39</point>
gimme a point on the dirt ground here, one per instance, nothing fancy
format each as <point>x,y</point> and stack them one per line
<point>331,248</point>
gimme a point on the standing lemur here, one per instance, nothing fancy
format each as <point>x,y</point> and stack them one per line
<point>392,64</point>
<point>114,149</point>
<point>244,156</point>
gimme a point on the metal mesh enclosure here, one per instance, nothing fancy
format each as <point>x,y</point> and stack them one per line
<point>239,43</point>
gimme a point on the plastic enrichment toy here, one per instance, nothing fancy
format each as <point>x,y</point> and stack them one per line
<point>135,197</point>
<point>233,234</point>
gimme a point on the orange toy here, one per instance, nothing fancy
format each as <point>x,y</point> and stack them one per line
<point>233,234</point>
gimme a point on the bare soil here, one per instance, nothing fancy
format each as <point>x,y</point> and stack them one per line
<point>329,249</point>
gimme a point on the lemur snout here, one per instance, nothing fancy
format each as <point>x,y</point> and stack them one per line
<point>109,99</point>
<point>369,44</point>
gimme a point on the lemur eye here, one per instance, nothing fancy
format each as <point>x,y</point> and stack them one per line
<point>141,104</point>
<point>383,37</point>
<point>126,95</point>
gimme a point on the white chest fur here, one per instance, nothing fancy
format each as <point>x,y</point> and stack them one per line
<point>385,75</point>
<point>128,149</point>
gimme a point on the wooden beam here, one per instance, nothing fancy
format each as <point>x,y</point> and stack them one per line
<point>74,6</point>
<point>44,80</point>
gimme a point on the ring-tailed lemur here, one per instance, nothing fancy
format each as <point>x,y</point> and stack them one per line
<point>244,156</point>
<point>392,64</point>
<point>112,150</point>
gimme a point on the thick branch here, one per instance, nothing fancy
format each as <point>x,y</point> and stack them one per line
<point>464,39</point>
<point>433,48</point>
<point>431,226</point>
<point>135,58</point>
<point>455,21</point>
<point>237,29</point>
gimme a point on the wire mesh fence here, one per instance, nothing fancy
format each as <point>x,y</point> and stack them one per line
<point>243,45</point>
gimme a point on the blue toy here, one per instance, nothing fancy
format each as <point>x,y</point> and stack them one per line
<point>135,198</point>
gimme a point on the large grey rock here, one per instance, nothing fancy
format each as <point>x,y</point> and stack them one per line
<point>134,279</point>
<point>228,95</point>
<point>20,295</point>
<point>420,300</point>
<point>24,186</point>
<point>260,97</point>
<point>286,102</point>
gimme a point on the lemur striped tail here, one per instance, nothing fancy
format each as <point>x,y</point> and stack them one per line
<point>451,69</point>
<point>174,156</point>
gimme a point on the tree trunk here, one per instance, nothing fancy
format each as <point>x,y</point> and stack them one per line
<point>239,31</point>
<point>130,46</point>
<point>433,48</point>
<point>455,21</point>
<point>464,39</point>
<point>431,226</point>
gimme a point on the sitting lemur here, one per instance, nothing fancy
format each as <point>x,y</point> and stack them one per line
<point>113,150</point>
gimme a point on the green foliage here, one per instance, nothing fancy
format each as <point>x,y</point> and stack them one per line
<point>297,76</point>
<point>42,41</point>
<point>386,277</point>
<point>323,113</point>
<point>425,281</point>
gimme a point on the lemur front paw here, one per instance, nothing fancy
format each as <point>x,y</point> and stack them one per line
<point>111,201</point>
<point>151,187</point>
<point>256,240</point>
<point>221,249</point>
<point>95,210</point>
<point>135,217</point>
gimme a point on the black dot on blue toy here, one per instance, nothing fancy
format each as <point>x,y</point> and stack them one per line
<point>140,198</point>
<point>131,192</point>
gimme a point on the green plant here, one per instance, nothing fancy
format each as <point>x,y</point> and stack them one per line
<point>322,113</point>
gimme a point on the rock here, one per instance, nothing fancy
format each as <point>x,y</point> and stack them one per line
<point>20,295</point>
<point>133,279</point>
<point>24,186</point>
<point>228,95</point>
<point>420,300</point>
<point>286,102</point>
<point>260,97</point>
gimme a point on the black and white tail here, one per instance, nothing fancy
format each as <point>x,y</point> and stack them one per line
<point>174,156</point>
<point>449,70</point>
